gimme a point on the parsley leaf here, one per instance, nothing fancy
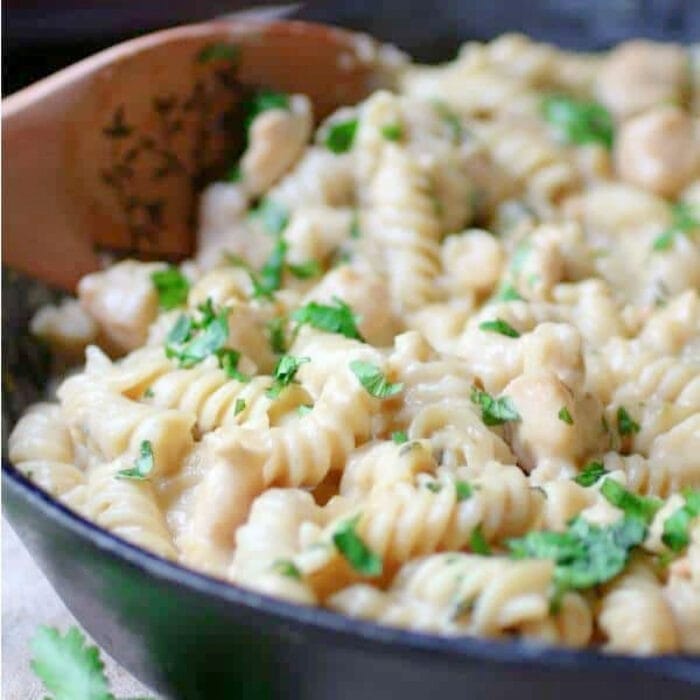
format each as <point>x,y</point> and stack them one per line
<point>306,270</point>
<point>262,101</point>
<point>686,219</point>
<point>228,361</point>
<point>590,474</point>
<point>191,341</point>
<point>585,555</point>
<point>269,279</point>
<point>499,326</point>
<point>634,506</point>
<point>478,543</point>
<point>341,135</point>
<point>565,416</point>
<point>143,465</point>
<point>373,380</point>
<point>355,551</point>
<point>239,407</point>
<point>675,535</point>
<point>579,121</point>
<point>392,132</point>
<point>507,292</point>
<point>273,216</point>
<point>333,319</point>
<point>625,424</point>
<point>68,667</point>
<point>172,287</point>
<point>463,490</point>
<point>494,411</point>
<point>399,437</point>
<point>275,334</point>
<point>285,371</point>
<point>287,568</point>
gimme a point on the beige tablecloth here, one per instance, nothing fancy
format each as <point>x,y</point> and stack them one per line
<point>27,602</point>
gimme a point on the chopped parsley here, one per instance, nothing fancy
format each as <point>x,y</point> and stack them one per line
<point>641,507</point>
<point>478,543</point>
<point>373,380</point>
<point>273,216</point>
<point>399,437</point>
<point>625,424</point>
<point>68,666</point>
<point>262,101</point>
<point>498,325</point>
<point>148,393</point>
<point>360,557</point>
<point>337,318</point>
<point>341,135</point>
<point>306,270</point>
<point>239,407</point>
<point>585,555</point>
<point>450,118</point>
<point>433,486</point>
<point>228,361</point>
<point>686,220</point>
<point>275,334</point>
<point>172,287</point>
<point>494,411</point>
<point>507,292</point>
<point>579,121</point>
<point>285,371</point>
<point>590,474</point>
<point>675,535</point>
<point>190,341</point>
<point>143,464</point>
<point>392,132</point>
<point>463,490</point>
<point>286,567</point>
<point>564,415</point>
<point>304,410</point>
<point>269,279</point>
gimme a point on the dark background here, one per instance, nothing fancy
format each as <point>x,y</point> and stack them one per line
<point>41,36</point>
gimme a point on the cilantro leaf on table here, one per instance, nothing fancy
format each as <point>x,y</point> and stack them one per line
<point>373,380</point>
<point>494,411</point>
<point>354,550</point>
<point>172,287</point>
<point>336,318</point>
<point>579,121</point>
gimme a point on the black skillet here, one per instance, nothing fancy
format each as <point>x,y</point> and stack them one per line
<point>189,636</point>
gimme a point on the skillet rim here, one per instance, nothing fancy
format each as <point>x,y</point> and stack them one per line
<point>371,636</point>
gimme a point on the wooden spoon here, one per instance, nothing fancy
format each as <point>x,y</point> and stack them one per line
<point>110,153</point>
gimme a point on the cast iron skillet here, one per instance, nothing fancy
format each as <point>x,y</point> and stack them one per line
<point>190,636</point>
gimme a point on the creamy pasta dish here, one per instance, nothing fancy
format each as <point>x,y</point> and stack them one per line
<point>436,363</point>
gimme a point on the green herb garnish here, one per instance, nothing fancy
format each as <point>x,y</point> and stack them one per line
<point>262,101</point>
<point>641,507</point>
<point>275,334</point>
<point>306,270</point>
<point>239,407</point>
<point>338,318</point>
<point>686,220</point>
<point>354,550</point>
<point>590,474</point>
<point>499,326</point>
<point>507,292</point>
<point>478,543</point>
<point>579,121</point>
<point>392,132</point>
<point>191,341</point>
<point>218,52</point>
<point>273,216</point>
<point>286,567</point>
<point>304,410</point>
<point>625,424</point>
<point>340,136</point>
<point>463,490</point>
<point>399,437</point>
<point>676,527</point>
<point>228,361</point>
<point>373,380</point>
<point>172,287</point>
<point>564,415</point>
<point>494,411</point>
<point>269,279</point>
<point>285,371</point>
<point>143,464</point>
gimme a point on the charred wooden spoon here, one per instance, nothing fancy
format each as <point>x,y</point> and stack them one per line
<point>109,154</point>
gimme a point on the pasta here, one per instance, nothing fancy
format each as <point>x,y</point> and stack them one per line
<point>436,363</point>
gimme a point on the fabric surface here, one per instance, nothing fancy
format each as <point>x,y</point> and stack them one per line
<point>27,602</point>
